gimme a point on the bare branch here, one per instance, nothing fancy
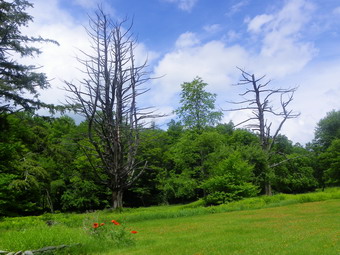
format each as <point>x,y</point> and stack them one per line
<point>107,98</point>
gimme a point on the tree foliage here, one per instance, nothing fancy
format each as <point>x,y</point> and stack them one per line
<point>18,80</point>
<point>231,179</point>
<point>331,161</point>
<point>197,110</point>
<point>51,164</point>
<point>44,166</point>
<point>328,129</point>
<point>326,149</point>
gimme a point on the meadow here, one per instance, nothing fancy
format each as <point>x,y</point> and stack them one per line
<point>280,224</point>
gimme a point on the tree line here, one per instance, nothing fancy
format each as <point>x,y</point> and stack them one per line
<point>113,158</point>
<point>43,165</point>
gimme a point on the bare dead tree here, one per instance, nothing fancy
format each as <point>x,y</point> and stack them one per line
<point>107,99</point>
<point>258,99</point>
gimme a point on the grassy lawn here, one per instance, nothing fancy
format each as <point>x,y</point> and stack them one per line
<point>284,224</point>
<point>311,228</point>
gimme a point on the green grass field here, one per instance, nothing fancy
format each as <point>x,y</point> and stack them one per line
<point>284,225</point>
<point>311,228</point>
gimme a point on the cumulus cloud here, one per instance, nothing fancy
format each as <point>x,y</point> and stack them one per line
<point>59,62</point>
<point>185,5</point>
<point>275,47</point>
<point>279,51</point>
<point>186,40</point>
<point>318,93</point>
<point>213,61</point>
<point>283,50</point>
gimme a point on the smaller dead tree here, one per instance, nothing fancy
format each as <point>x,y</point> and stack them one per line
<point>258,98</point>
<point>107,99</point>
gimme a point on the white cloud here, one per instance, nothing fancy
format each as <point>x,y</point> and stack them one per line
<point>255,25</point>
<point>279,51</point>
<point>212,28</point>
<point>232,36</point>
<point>59,62</point>
<point>185,5</point>
<point>44,12</point>
<point>237,7</point>
<point>283,49</point>
<point>318,93</point>
<point>213,61</point>
<point>143,54</point>
<point>187,39</point>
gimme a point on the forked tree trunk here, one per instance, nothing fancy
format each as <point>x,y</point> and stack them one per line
<point>107,99</point>
<point>117,199</point>
<point>257,98</point>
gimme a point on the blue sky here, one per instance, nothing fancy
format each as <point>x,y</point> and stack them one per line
<point>292,42</point>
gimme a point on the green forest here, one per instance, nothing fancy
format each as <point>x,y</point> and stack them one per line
<point>118,157</point>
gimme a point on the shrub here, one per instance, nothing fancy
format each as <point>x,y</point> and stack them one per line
<point>224,189</point>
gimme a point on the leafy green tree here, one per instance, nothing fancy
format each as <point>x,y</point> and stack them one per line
<point>18,80</point>
<point>292,167</point>
<point>296,175</point>
<point>328,129</point>
<point>324,148</point>
<point>82,194</point>
<point>283,145</point>
<point>175,130</point>
<point>38,160</point>
<point>330,161</point>
<point>225,128</point>
<point>197,110</point>
<point>175,187</point>
<point>242,137</point>
<point>188,165</point>
<point>185,161</point>
<point>20,171</point>
<point>154,147</point>
<point>231,179</point>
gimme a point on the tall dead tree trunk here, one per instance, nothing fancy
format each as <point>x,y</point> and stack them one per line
<point>107,99</point>
<point>258,99</point>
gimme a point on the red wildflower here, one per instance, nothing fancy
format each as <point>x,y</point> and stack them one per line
<point>102,224</point>
<point>95,225</point>
<point>115,222</point>
<point>134,232</point>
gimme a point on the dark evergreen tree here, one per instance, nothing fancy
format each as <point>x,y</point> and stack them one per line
<point>19,83</point>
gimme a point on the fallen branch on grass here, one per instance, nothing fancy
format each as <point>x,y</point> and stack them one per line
<point>39,251</point>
